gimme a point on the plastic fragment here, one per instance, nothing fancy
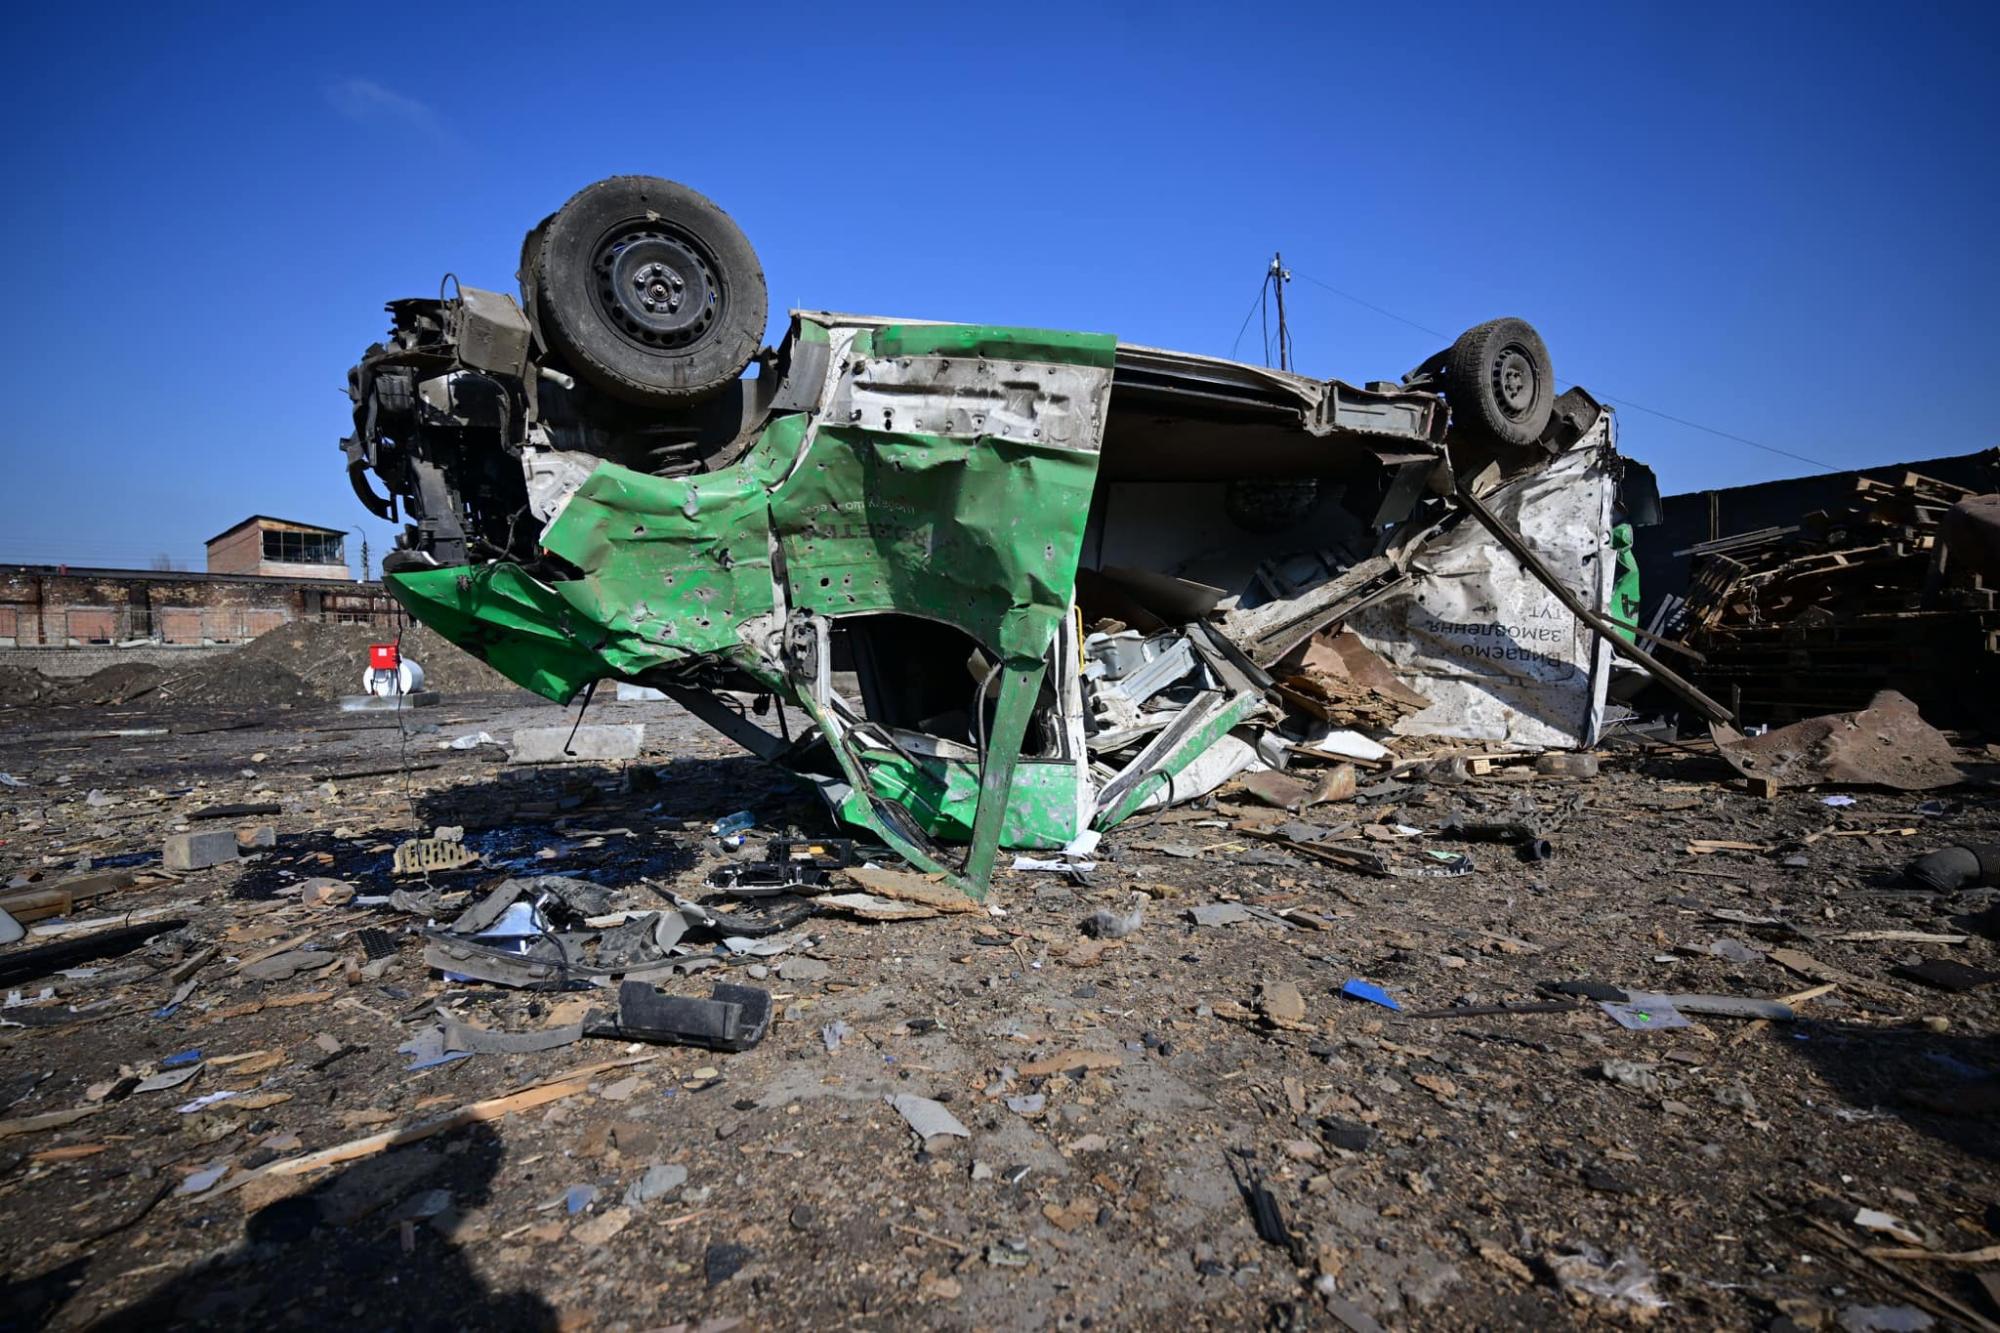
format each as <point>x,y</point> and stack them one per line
<point>1369,991</point>
<point>1644,1017</point>
<point>926,1117</point>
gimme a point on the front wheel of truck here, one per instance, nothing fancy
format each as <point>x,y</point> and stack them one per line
<point>647,290</point>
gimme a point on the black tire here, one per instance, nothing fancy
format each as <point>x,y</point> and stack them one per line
<point>647,290</point>
<point>1500,383</point>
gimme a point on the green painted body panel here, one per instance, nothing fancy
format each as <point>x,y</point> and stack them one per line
<point>1624,609</point>
<point>1049,346</point>
<point>942,794</point>
<point>520,627</point>
<point>976,532</point>
<point>673,566</point>
<point>983,534</point>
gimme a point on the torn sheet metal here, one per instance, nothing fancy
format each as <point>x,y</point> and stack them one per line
<point>1499,657</point>
<point>1887,744</point>
<point>534,932</point>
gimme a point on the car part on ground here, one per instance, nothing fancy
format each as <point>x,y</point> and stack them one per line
<point>1022,584</point>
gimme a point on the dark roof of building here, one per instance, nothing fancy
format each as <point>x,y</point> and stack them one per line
<point>266,518</point>
<point>184,576</point>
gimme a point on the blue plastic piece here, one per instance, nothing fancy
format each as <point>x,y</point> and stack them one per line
<point>183,1058</point>
<point>1369,991</point>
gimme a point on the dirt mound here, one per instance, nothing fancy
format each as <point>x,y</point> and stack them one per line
<point>19,688</point>
<point>330,658</point>
<point>229,682</point>
<point>307,663</point>
<point>293,664</point>
<point>116,684</point>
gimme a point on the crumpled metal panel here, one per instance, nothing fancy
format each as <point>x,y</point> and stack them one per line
<point>1497,654</point>
<point>955,524</point>
<point>1887,744</point>
<point>981,534</point>
<point>966,398</point>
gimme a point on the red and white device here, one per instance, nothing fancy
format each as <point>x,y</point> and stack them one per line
<point>389,673</point>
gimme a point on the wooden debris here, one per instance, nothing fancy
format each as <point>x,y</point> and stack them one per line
<point>491,1108</point>
<point>35,1124</point>
<point>1065,1061</point>
<point>903,886</point>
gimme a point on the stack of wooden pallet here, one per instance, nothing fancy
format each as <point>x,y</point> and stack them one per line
<point>1815,618</point>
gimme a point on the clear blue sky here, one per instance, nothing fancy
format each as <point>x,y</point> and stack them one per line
<point>1777,221</point>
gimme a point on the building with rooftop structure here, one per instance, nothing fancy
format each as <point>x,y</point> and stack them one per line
<point>278,548</point>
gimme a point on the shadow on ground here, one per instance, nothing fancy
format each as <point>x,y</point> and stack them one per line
<point>339,1252</point>
<point>612,826</point>
<point>1943,1084</point>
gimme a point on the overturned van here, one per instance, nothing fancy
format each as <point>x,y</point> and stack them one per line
<point>1022,584</point>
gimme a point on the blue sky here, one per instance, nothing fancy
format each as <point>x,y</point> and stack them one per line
<point>1775,221</point>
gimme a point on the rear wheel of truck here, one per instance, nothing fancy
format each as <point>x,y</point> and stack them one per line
<point>1499,381</point>
<point>647,290</point>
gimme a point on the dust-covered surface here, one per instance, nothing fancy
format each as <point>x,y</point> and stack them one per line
<point>1504,1170</point>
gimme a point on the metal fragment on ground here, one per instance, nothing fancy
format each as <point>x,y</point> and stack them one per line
<point>1887,744</point>
<point>927,1118</point>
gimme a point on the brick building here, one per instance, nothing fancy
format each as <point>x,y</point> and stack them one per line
<point>57,606</point>
<point>279,548</point>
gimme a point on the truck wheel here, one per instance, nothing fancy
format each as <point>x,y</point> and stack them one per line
<point>647,290</point>
<point>1499,381</point>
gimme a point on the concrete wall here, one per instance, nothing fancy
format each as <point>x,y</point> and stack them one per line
<point>83,661</point>
<point>279,569</point>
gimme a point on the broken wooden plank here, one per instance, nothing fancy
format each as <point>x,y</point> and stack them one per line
<point>35,1124</point>
<point>472,1113</point>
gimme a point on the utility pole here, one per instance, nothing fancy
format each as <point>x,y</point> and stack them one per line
<point>1280,275</point>
<point>364,555</point>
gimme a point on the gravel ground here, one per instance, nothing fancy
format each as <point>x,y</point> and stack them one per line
<point>1471,1171</point>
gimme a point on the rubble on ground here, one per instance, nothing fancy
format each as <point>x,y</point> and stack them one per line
<point>1466,1044</point>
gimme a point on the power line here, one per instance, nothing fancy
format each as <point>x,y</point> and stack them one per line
<point>1255,301</point>
<point>1622,402</point>
<point>1370,305</point>
<point>1740,439</point>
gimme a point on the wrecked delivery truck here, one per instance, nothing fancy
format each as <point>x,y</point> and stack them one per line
<point>1019,584</point>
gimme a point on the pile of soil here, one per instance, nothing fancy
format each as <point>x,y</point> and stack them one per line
<point>330,658</point>
<point>230,682</point>
<point>115,684</point>
<point>118,683</point>
<point>19,688</point>
<point>308,663</point>
<point>293,664</point>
